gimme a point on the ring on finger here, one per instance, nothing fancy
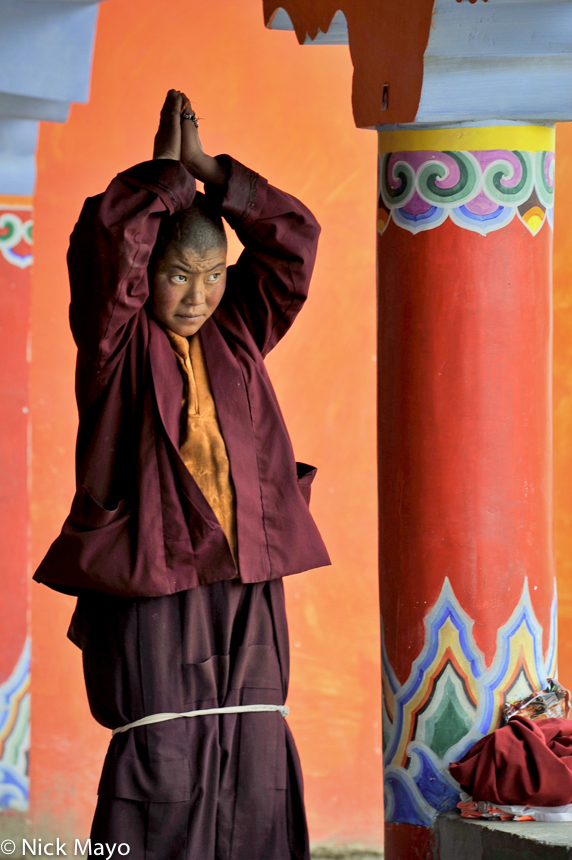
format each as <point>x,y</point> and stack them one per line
<point>192,117</point>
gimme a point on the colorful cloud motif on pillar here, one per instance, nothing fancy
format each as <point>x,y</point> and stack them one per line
<point>15,735</point>
<point>480,191</point>
<point>451,699</point>
<point>16,239</point>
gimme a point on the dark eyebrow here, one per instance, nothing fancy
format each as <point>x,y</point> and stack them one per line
<point>193,272</point>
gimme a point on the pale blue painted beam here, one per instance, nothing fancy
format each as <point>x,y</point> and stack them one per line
<point>496,29</point>
<point>46,51</point>
<point>18,141</point>
<point>503,60</point>
<point>465,90</point>
<point>524,2</point>
<point>46,48</point>
<point>23,107</point>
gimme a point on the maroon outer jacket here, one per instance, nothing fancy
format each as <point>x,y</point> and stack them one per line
<point>139,525</point>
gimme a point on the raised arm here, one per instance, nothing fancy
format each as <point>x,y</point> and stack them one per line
<point>270,281</point>
<point>112,242</point>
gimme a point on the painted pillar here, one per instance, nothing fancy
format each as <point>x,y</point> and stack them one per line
<point>15,261</point>
<point>467,579</point>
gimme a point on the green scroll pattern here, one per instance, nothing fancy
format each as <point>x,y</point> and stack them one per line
<point>481,191</point>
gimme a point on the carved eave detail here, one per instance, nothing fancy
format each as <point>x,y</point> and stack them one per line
<point>435,62</point>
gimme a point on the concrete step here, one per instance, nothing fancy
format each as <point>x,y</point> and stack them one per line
<point>462,839</point>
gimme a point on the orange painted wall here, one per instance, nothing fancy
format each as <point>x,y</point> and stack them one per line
<point>286,111</point>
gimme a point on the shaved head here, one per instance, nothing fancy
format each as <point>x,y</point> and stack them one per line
<point>198,228</point>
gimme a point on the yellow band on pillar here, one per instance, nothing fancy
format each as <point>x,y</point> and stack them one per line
<point>13,201</point>
<point>533,138</point>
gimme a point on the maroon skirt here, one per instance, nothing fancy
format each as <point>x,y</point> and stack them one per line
<point>218,787</point>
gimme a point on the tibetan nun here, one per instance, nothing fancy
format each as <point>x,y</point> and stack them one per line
<point>189,507</point>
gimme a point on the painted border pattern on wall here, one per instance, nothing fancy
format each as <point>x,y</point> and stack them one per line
<point>481,191</point>
<point>451,699</point>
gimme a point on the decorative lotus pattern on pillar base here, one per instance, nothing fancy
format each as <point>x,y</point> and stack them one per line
<point>451,699</point>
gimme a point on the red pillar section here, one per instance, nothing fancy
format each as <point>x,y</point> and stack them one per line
<point>468,597</point>
<point>15,261</point>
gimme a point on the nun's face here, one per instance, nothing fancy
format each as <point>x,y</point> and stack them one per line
<point>187,288</point>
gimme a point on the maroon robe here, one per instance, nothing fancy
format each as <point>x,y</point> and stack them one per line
<point>226,787</point>
<point>139,525</point>
<point>141,537</point>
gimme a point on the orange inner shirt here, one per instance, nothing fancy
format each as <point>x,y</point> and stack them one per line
<point>203,448</point>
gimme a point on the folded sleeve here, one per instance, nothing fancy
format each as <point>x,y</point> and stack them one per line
<point>270,281</point>
<point>109,252</point>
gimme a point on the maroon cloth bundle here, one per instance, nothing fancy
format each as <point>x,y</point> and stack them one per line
<point>524,762</point>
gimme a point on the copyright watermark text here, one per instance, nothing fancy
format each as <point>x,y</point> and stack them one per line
<point>87,848</point>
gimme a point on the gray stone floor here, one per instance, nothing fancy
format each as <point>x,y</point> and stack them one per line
<point>345,852</point>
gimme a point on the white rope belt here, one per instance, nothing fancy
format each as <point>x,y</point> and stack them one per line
<point>235,709</point>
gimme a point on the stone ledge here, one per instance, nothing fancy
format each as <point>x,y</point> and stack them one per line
<point>458,838</point>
